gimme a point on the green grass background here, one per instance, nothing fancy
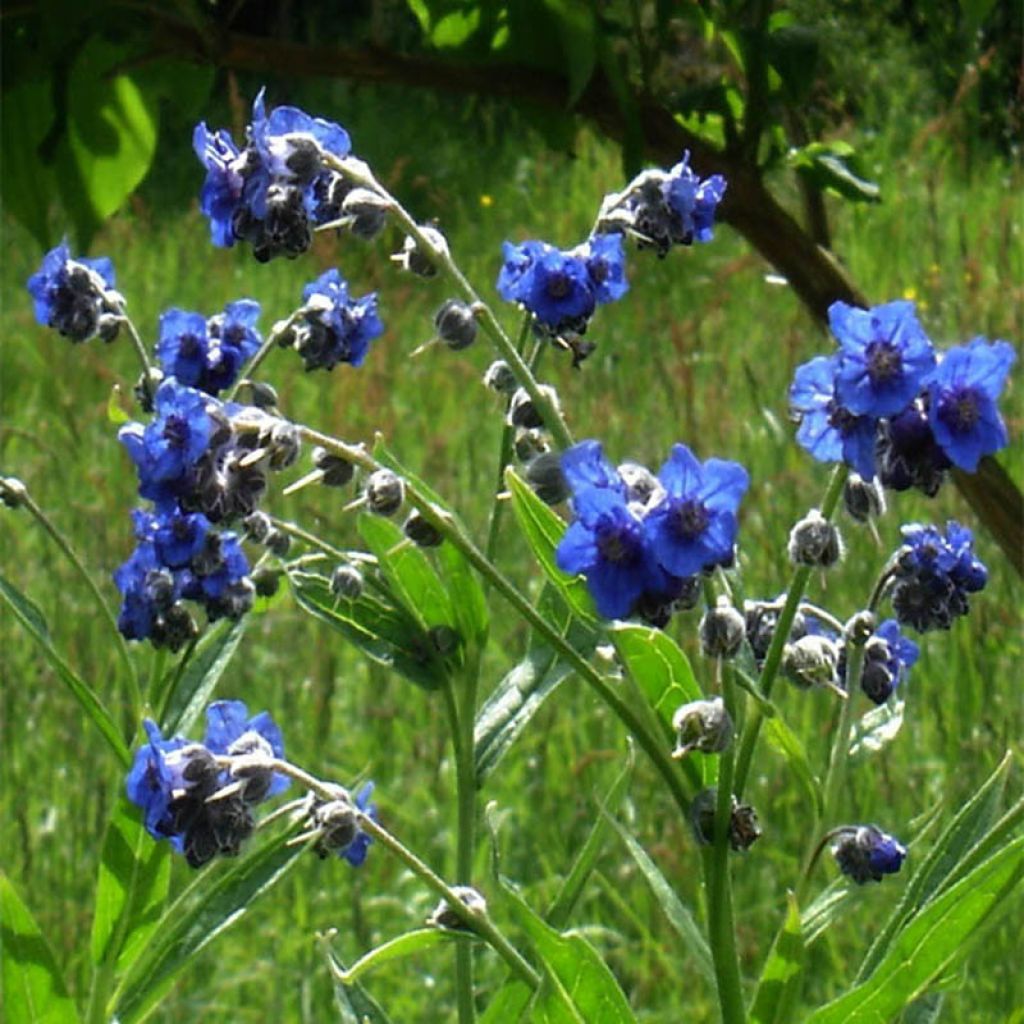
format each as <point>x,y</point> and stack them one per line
<point>701,351</point>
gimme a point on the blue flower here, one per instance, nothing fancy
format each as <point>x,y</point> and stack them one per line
<point>585,465</point>
<point>884,355</point>
<point>221,194</point>
<point>962,396</point>
<point>888,657</point>
<point>694,526</point>
<point>76,297</point>
<point>355,852</point>
<point>291,143</point>
<point>557,291</point>
<point>335,328</point>
<point>609,545</point>
<point>167,450</point>
<point>693,201</point>
<point>865,853</point>
<point>934,574</point>
<point>182,346</point>
<point>230,731</point>
<point>828,430</point>
<point>908,454</point>
<point>605,261</point>
<point>516,263</point>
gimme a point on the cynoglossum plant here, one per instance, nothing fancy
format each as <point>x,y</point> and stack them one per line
<point>646,545</point>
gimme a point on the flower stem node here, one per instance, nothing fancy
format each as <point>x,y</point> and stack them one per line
<point>456,324</point>
<point>722,630</point>
<point>500,378</point>
<point>744,829</point>
<point>812,660</point>
<point>704,726</point>
<point>421,531</point>
<point>385,492</point>
<point>445,917</point>
<point>347,581</point>
<point>815,542</point>
<point>865,853</point>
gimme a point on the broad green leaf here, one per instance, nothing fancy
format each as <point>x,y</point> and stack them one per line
<point>384,632</point>
<point>1000,833</point>
<point>135,872</point>
<point>507,1004</point>
<point>658,666</point>
<point>926,1009</point>
<point>400,947</point>
<point>572,886</point>
<point>409,571</point>
<point>786,742</point>
<point>26,183</point>
<point>33,988</point>
<point>936,940</point>
<point>966,829</point>
<point>877,729</point>
<point>468,601</point>
<point>192,690</point>
<point>543,530</point>
<point>581,987</point>
<point>357,1006</point>
<point>827,906</point>
<point>778,991</point>
<point>833,167</point>
<point>676,911</point>
<point>26,612</point>
<point>454,28</point>
<point>220,897</point>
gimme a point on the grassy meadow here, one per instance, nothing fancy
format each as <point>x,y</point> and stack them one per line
<point>701,351</point>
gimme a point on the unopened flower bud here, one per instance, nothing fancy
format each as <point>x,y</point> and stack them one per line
<point>12,492</point>
<point>529,444</point>
<point>444,917</point>
<point>277,542</point>
<point>811,661</point>
<point>385,493</point>
<point>523,413</point>
<point>863,499</point>
<point>642,486</point>
<point>722,630</point>
<point>859,628</point>
<point>336,471</point>
<point>336,821</point>
<point>456,325</point>
<point>347,581</point>
<point>702,725</point>
<point>108,326</point>
<point>421,531</point>
<point>865,853</point>
<point>266,580</point>
<point>146,387</point>
<point>366,211</point>
<point>414,259</point>
<point>173,628</point>
<point>257,779</point>
<point>544,474</point>
<point>262,395</point>
<point>744,829</point>
<point>500,378</point>
<point>284,445</point>
<point>814,541</point>
<point>257,527</point>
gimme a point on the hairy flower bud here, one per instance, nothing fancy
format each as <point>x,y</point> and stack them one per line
<point>414,259</point>
<point>455,324</point>
<point>444,917</point>
<point>347,581</point>
<point>863,499</point>
<point>421,531</point>
<point>266,580</point>
<point>859,628</point>
<point>865,853</point>
<point>336,471</point>
<point>811,661</point>
<point>722,630</point>
<point>277,542</point>
<point>523,413</point>
<point>544,474</point>
<point>814,541</point>
<point>702,725</point>
<point>744,829</point>
<point>385,493</point>
<point>500,378</point>
<point>13,493</point>
<point>257,527</point>
<point>366,212</point>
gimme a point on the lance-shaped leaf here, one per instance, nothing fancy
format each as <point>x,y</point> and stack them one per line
<point>407,944</point>
<point>778,991</point>
<point>33,988</point>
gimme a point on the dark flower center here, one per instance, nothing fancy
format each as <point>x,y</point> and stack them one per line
<point>617,543</point>
<point>884,362</point>
<point>558,285</point>
<point>690,518</point>
<point>598,270</point>
<point>176,431</point>
<point>959,411</point>
<point>189,346</point>
<point>841,419</point>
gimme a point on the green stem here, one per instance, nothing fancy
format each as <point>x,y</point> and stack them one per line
<point>653,746</point>
<point>773,659</point>
<point>134,693</point>
<point>841,739</point>
<point>359,173</point>
<point>721,926</point>
<point>140,349</point>
<point>262,352</point>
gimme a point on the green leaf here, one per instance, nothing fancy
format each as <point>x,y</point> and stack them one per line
<point>507,1004</point>
<point>877,729</point>
<point>26,183</point>
<point>33,988</point>
<point>111,135</point>
<point>400,947</point>
<point>834,167</point>
<point>786,742</point>
<point>778,991</point>
<point>966,829</point>
<point>936,940</point>
<point>543,531</point>
<point>383,631</point>
<point>115,412</point>
<point>576,25</point>
<point>580,985</point>
<point>793,51</point>
<point>826,907</point>
<point>658,666</point>
<point>193,689</point>
<point>135,872</point>
<point>26,612</point>
<point>466,596</point>
<point>218,899</point>
<point>409,572</point>
<point>676,911</point>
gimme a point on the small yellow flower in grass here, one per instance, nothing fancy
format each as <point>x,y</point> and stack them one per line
<point>486,200</point>
<point>910,292</point>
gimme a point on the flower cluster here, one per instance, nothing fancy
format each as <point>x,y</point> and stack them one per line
<point>331,327</point>
<point>201,462</point>
<point>76,297</point>
<point>192,796</point>
<point>275,191</point>
<point>208,354</point>
<point>888,657</point>
<point>562,289</point>
<point>641,540</point>
<point>865,853</point>
<point>933,574</point>
<point>886,403</point>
